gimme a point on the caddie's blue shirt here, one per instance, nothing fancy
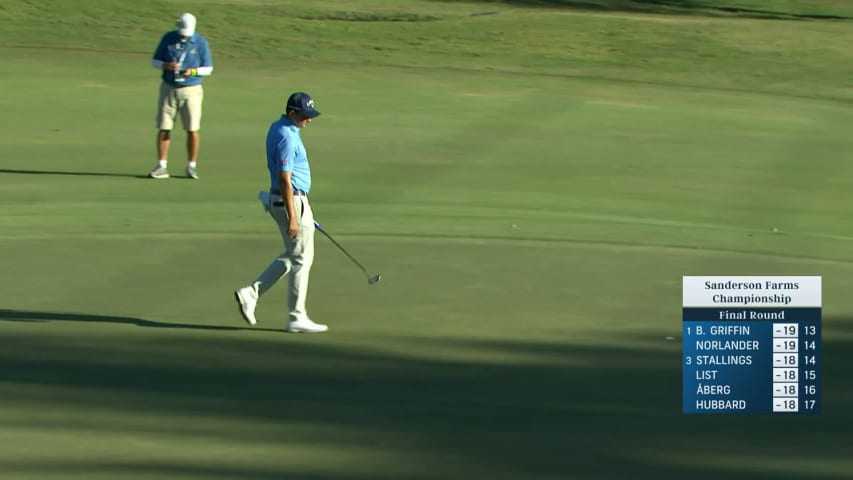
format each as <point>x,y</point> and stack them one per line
<point>286,153</point>
<point>193,53</point>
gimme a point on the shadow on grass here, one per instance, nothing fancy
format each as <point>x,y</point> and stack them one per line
<point>28,316</point>
<point>58,172</point>
<point>525,410</point>
<point>177,470</point>
<point>678,7</point>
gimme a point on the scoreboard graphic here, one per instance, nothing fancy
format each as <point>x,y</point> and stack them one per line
<point>751,344</point>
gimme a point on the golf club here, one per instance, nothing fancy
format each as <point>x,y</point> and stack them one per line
<point>370,279</point>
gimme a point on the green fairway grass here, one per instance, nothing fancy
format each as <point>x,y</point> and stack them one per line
<point>532,179</point>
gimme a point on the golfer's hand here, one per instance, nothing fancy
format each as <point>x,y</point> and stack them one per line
<point>187,73</point>
<point>293,228</point>
<point>172,66</point>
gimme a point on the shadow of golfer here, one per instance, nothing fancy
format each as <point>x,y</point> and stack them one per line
<point>37,317</point>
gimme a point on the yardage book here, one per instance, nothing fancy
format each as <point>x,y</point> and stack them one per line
<point>751,344</point>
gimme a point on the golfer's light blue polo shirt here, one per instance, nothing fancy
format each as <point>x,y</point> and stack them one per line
<point>172,48</point>
<point>286,153</point>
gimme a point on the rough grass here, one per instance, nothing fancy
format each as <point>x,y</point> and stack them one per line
<point>698,51</point>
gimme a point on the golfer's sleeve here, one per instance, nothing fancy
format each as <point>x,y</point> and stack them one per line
<point>286,155</point>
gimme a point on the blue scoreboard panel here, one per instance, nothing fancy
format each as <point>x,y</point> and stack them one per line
<point>751,345</point>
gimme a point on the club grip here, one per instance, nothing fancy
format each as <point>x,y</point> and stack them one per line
<point>318,227</point>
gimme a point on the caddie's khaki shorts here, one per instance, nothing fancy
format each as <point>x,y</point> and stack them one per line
<point>186,101</point>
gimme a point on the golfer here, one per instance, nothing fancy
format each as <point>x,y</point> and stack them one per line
<point>287,203</point>
<point>184,57</point>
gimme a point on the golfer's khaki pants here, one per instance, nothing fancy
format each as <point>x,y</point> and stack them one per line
<point>296,259</point>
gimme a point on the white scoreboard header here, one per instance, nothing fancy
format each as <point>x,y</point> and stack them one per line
<point>749,291</point>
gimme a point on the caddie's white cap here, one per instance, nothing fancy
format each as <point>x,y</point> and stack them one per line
<point>186,24</point>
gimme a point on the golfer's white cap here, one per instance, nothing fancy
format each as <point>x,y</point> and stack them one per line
<point>186,24</point>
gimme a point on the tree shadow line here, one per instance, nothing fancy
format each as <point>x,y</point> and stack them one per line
<point>550,410</point>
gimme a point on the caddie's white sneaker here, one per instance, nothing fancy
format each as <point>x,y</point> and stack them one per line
<point>192,172</point>
<point>247,299</point>
<point>159,172</point>
<point>305,326</point>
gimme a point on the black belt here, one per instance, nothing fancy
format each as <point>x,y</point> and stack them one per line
<point>296,192</point>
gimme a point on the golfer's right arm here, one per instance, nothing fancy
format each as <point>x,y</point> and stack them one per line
<point>286,189</point>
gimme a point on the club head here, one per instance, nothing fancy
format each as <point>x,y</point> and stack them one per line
<point>374,279</point>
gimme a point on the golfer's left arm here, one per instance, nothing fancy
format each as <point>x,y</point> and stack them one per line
<point>286,152</point>
<point>286,187</point>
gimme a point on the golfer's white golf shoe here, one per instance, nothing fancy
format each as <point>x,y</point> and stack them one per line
<point>247,298</point>
<point>305,325</point>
